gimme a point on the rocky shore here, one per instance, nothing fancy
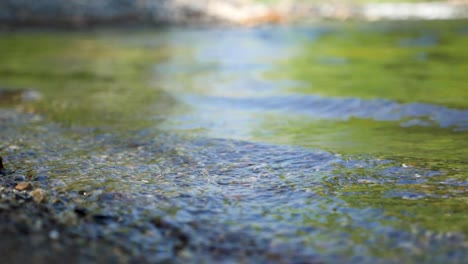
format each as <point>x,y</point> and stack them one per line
<point>82,13</point>
<point>39,225</point>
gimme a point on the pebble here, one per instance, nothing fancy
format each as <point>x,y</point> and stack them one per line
<point>23,186</point>
<point>30,96</point>
<point>19,178</point>
<point>54,234</point>
<point>67,217</point>
<point>41,178</point>
<point>84,193</point>
<point>111,196</point>
<point>38,225</point>
<point>38,195</point>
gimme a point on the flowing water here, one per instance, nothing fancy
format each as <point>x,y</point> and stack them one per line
<point>335,143</point>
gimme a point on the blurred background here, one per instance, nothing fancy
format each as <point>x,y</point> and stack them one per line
<point>257,131</point>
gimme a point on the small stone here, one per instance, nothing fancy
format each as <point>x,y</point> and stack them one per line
<point>38,195</point>
<point>38,225</point>
<point>185,254</point>
<point>23,186</point>
<point>81,212</point>
<point>31,95</point>
<point>111,196</point>
<point>67,217</point>
<point>41,178</point>
<point>54,234</point>
<point>82,192</point>
<point>19,178</point>
<point>366,181</point>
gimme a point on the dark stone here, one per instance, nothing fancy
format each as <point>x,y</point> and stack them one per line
<point>10,183</point>
<point>83,192</point>
<point>81,212</point>
<point>41,178</point>
<point>19,178</point>
<point>111,196</point>
<point>104,219</point>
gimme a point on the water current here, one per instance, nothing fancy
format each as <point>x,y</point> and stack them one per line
<point>330,143</point>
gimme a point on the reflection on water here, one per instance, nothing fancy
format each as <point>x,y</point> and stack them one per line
<point>333,143</point>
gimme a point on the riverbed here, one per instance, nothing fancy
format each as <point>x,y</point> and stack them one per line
<point>328,143</point>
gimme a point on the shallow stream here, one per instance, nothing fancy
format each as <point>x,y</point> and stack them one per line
<point>332,143</point>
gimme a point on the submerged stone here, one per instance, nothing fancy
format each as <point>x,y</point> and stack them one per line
<point>38,195</point>
<point>23,186</point>
<point>41,178</point>
<point>54,235</point>
<point>19,178</point>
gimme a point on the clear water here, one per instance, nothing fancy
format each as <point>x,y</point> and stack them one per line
<point>327,143</point>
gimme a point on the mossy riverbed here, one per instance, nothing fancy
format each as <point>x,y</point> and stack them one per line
<point>321,144</point>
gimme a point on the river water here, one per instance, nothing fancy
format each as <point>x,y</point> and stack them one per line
<point>331,143</point>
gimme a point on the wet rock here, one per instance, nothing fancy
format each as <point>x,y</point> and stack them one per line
<point>10,183</point>
<point>38,224</point>
<point>111,196</point>
<point>7,95</point>
<point>19,178</point>
<point>104,219</point>
<point>23,186</point>
<point>81,212</point>
<point>19,95</point>
<point>41,178</point>
<point>173,230</point>
<point>54,235</point>
<point>31,95</point>
<point>4,206</point>
<point>67,217</point>
<point>83,192</point>
<point>38,195</point>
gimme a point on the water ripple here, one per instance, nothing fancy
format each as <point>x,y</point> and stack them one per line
<point>411,114</point>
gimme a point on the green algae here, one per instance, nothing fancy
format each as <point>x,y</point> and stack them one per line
<point>86,79</point>
<point>406,62</point>
<point>435,148</point>
<point>403,62</point>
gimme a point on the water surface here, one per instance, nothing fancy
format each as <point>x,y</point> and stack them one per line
<point>327,143</point>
